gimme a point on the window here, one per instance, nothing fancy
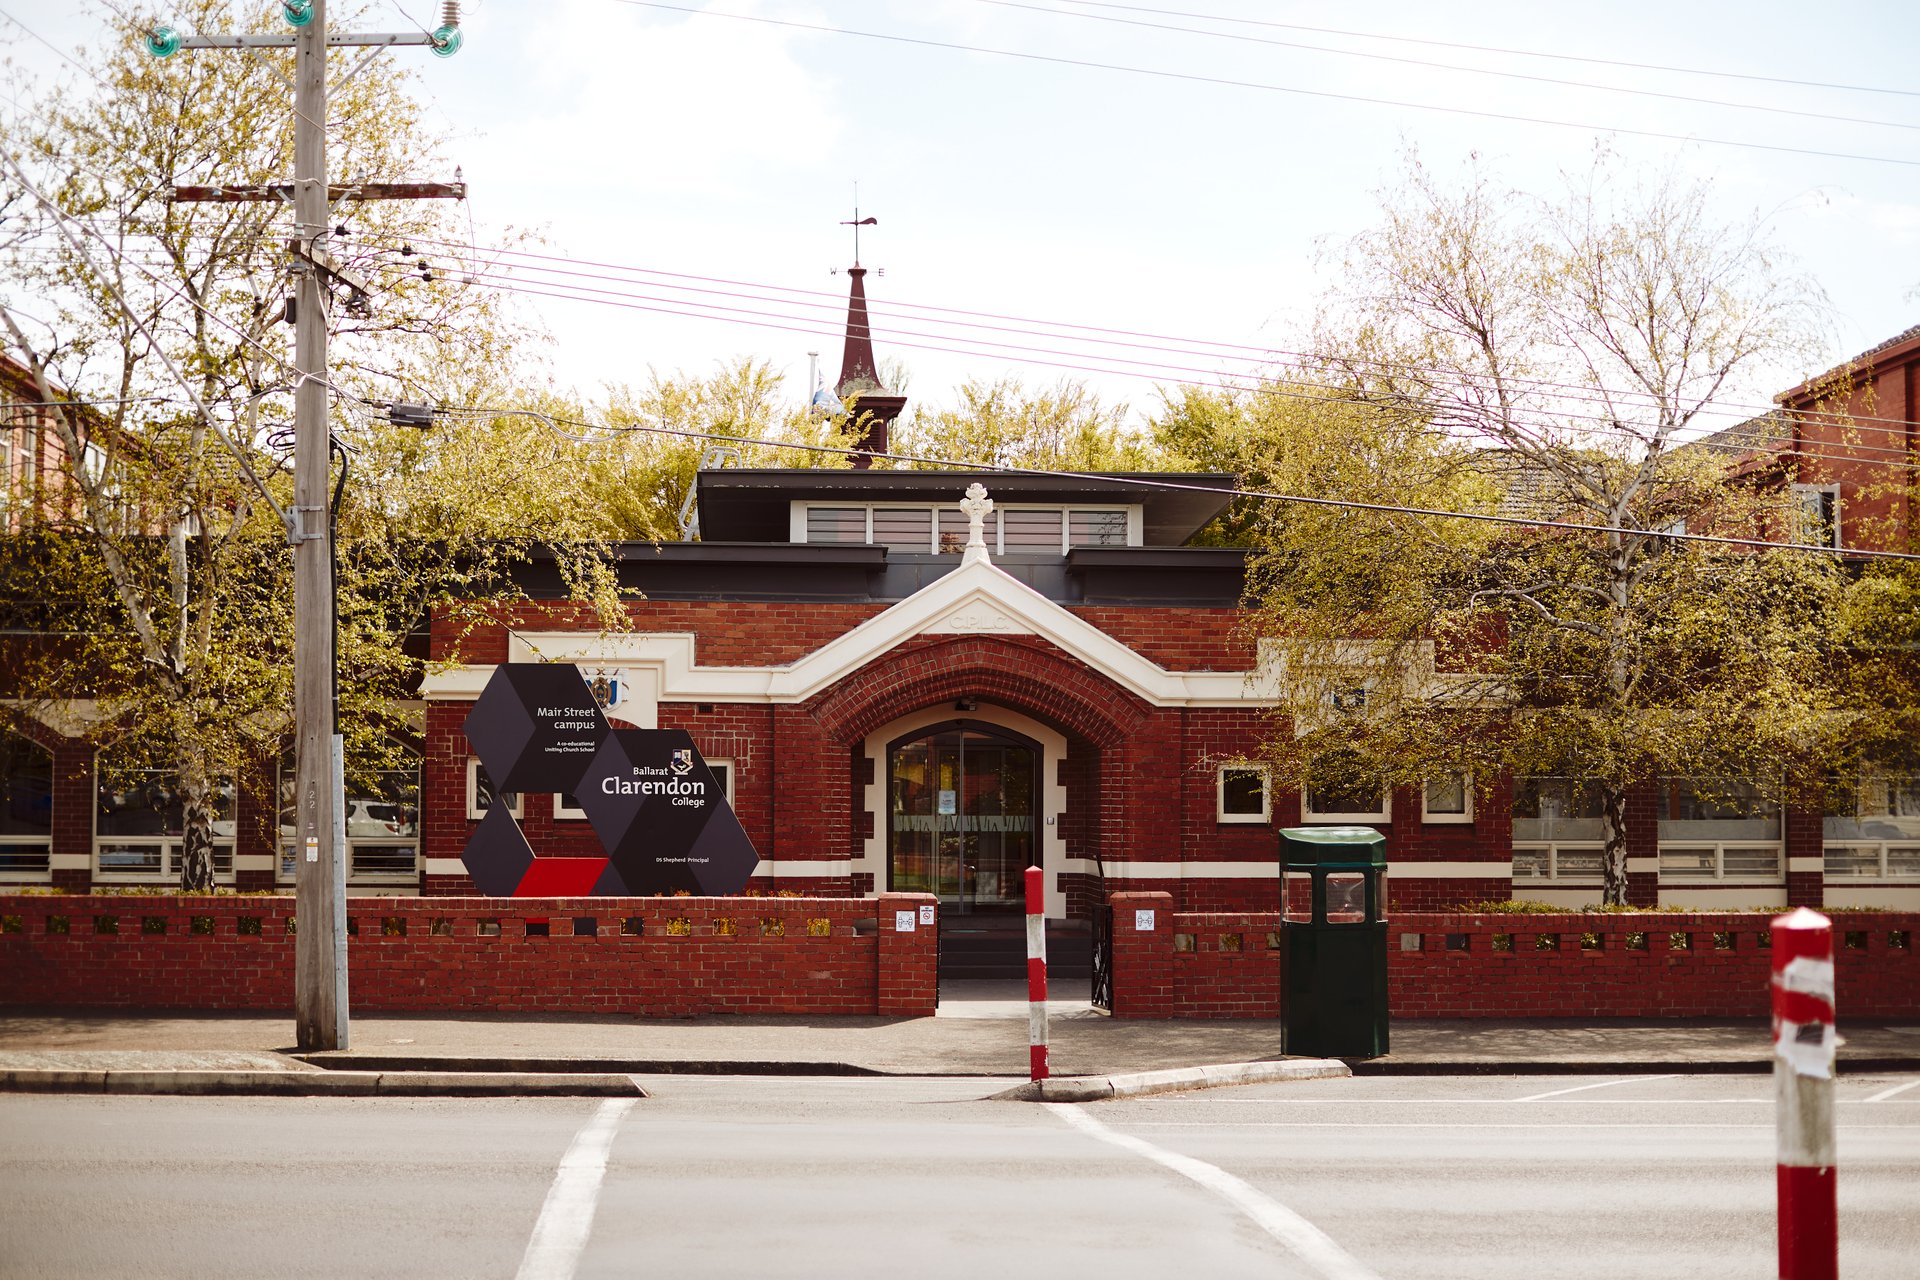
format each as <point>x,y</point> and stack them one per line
<point>836,524</point>
<point>1872,829</point>
<point>941,529</point>
<point>382,819</point>
<point>1241,794</point>
<point>1559,830</point>
<point>1345,794</point>
<point>1819,514</point>
<point>904,529</point>
<point>1025,529</point>
<point>1448,799</point>
<point>26,808</point>
<point>1096,529</point>
<point>480,793</point>
<point>567,809</point>
<point>139,824</point>
<point>1715,831</point>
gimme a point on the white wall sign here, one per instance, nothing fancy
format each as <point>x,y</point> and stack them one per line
<point>1143,922</point>
<point>903,922</point>
<point>926,914</point>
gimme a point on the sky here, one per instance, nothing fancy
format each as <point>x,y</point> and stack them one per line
<point>1149,194</point>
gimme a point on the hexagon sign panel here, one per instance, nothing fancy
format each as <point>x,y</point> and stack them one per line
<point>657,809</point>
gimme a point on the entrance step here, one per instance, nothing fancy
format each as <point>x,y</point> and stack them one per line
<point>974,948</point>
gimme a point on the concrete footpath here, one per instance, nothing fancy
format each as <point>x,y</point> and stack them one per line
<point>980,1030</point>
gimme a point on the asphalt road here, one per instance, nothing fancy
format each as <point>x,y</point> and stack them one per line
<point>1427,1177</point>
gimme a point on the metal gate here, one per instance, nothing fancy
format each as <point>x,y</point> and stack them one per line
<point>1102,995</point>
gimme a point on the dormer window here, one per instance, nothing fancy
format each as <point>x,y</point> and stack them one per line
<point>1011,529</point>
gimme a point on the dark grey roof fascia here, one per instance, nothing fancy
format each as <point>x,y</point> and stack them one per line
<point>751,504</point>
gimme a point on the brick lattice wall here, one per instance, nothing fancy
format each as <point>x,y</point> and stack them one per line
<point>1573,965</point>
<point>649,957</point>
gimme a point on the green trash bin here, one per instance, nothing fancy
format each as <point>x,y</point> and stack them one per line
<point>1333,931</point>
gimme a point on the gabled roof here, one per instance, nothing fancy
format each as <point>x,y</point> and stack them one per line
<point>1902,345</point>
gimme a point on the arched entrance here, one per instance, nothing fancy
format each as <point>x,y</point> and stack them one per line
<point>961,815</point>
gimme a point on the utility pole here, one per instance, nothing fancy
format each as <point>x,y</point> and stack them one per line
<point>320,875</point>
<point>320,844</point>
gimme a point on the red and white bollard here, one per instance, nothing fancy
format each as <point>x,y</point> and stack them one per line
<point>1037,973</point>
<point>1804,1046</point>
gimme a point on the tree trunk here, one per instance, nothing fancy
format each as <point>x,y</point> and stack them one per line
<point>196,845</point>
<point>1613,862</point>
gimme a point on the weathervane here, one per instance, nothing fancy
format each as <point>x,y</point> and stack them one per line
<point>857,223</point>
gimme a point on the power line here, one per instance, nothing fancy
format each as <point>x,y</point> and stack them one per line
<point>818,326</point>
<point>1721,408</point>
<point>1450,66</point>
<point>1228,82</point>
<point>1517,53</point>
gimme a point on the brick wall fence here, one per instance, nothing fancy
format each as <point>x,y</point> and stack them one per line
<point>1573,965</point>
<point>651,957</point>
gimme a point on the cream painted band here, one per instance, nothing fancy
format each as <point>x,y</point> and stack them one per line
<point>1642,866</point>
<point>1807,864</point>
<point>793,868</point>
<point>253,862</point>
<point>445,867</point>
<point>70,862</point>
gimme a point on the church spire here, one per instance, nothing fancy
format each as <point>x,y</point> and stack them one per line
<point>874,408</point>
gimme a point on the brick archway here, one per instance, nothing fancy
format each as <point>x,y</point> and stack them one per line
<point>1021,672</point>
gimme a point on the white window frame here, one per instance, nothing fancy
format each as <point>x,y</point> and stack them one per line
<point>474,812</point>
<point>568,813</point>
<point>170,848</point>
<point>286,870</point>
<point>1880,850</point>
<point>1466,813</point>
<point>1720,848</point>
<point>995,531</point>
<point>29,847</point>
<point>1311,816</point>
<point>1220,813</point>
<point>1801,492</point>
<point>1553,849</point>
<point>726,763</point>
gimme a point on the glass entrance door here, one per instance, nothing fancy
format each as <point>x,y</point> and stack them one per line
<point>960,816</point>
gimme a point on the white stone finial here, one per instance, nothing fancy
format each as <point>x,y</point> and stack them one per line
<point>975,506</point>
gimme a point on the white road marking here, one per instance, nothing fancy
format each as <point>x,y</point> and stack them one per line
<point>1307,1242</point>
<point>1884,1094</point>
<point>1604,1084</point>
<point>1457,1124</point>
<point>566,1219</point>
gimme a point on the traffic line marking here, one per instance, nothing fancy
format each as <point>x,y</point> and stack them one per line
<point>566,1219</point>
<point>1304,1240</point>
<point>1884,1094</point>
<point>1604,1084</point>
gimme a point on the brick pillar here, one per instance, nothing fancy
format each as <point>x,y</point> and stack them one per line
<point>908,981</point>
<point>73,801</point>
<point>444,827</point>
<point>1806,856</point>
<point>256,821</point>
<point>1142,959</point>
<point>1645,802</point>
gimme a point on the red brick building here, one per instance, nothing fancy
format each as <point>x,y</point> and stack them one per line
<point>890,710</point>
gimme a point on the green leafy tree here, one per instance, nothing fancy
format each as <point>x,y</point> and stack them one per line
<point>170,572</point>
<point>1487,353</point>
<point>1002,424</point>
